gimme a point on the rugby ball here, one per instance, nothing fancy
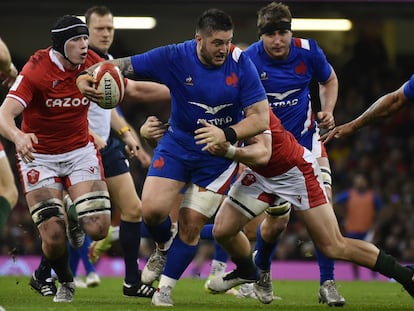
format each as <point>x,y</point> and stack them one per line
<point>110,82</point>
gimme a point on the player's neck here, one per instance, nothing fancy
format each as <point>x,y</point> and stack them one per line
<point>65,62</point>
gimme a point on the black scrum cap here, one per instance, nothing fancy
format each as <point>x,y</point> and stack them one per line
<point>66,28</point>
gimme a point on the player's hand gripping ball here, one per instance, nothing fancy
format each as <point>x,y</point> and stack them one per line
<point>111,83</point>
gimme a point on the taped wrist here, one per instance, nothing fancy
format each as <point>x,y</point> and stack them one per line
<point>230,135</point>
<point>230,153</point>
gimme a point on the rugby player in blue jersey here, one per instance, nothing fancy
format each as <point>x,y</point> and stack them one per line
<point>216,96</point>
<point>286,66</point>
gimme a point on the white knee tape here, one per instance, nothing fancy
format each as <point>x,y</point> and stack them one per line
<point>279,210</point>
<point>202,200</point>
<point>93,203</point>
<point>326,176</point>
<point>44,210</point>
<point>246,204</point>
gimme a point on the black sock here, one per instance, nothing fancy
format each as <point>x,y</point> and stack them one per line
<point>61,267</point>
<point>130,239</point>
<point>245,266</point>
<point>5,209</point>
<point>43,272</point>
<point>388,266</point>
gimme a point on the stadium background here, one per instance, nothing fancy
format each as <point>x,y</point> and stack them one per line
<point>375,57</point>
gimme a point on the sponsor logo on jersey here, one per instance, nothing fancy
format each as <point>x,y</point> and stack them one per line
<point>209,109</point>
<point>219,122</point>
<point>277,100</point>
<point>66,102</point>
<point>214,110</point>
<point>280,96</point>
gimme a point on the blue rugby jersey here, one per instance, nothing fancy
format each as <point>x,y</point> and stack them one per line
<point>216,94</point>
<point>287,84</point>
<point>409,88</point>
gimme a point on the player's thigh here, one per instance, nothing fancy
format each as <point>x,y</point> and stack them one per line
<point>229,220</point>
<point>322,226</point>
<point>8,187</point>
<point>6,176</point>
<point>158,197</point>
<point>124,196</point>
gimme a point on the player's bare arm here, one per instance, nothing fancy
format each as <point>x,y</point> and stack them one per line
<point>152,130</point>
<point>9,110</point>
<point>384,107</point>
<point>328,93</point>
<point>255,121</point>
<point>8,71</point>
<point>256,152</point>
<point>125,65</point>
<point>147,92</point>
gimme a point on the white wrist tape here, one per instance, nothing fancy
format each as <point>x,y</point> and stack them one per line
<point>231,152</point>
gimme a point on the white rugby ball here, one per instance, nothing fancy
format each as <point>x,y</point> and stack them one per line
<point>110,82</point>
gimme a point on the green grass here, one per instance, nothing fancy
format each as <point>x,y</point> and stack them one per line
<point>189,295</point>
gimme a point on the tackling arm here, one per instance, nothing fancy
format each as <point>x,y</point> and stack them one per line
<point>257,151</point>
<point>383,107</point>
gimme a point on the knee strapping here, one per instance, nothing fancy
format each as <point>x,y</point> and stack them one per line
<point>326,176</point>
<point>45,210</point>
<point>279,210</point>
<point>93,203</point>
<point>201,200</point>
<point>247,205</point>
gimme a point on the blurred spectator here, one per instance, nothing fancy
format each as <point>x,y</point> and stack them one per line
<point>357,209</point>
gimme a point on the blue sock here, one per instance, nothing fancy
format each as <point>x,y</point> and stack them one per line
<point>160,233</point>
<point>179,257</point>
<point>326,266</point>
<point>144,231</point>
<point>219,253</point>
<point>207,232</point>
<point>83,254</point>
<point>265,251</point>
<point>130,240</point>
<point>73,259</point>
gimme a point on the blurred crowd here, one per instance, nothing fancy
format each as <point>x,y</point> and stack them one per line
<point>383,152</point>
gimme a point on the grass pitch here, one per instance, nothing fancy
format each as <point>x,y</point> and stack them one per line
<point>189,295</point>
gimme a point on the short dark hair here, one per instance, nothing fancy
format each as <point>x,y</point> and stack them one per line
<point>213,20</point>
<point>101,10</point>
<point>273,13</point>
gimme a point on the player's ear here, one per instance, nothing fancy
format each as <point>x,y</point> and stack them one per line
<point>198,37</point>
